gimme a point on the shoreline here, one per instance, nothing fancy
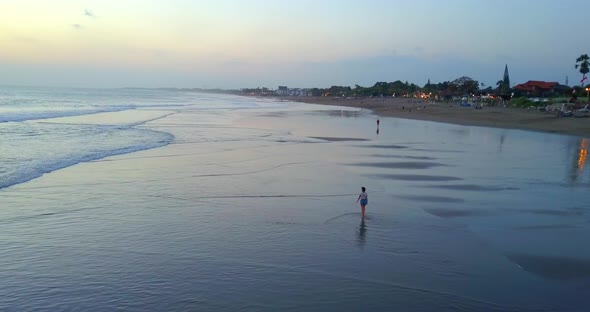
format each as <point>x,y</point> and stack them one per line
<point>496,117</point>
<point>227,182</point>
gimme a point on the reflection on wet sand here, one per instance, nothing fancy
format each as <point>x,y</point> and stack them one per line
<point>545,227</point>
<point>580,158</point>
<point>472,187</point>
<point>502,139</point>
<point>341,216</point>
<point>362,232</point>
<point>582,154</point>
<point>552,267</point>
<point>453,213</point>
<point>337,139</point>
<point>554,212</point>
<point>432,199</point>
<point>414,177</point>
<point>400,164</point>
<point>436,150</point>
<point>403,156</point>
<point>390,146</point>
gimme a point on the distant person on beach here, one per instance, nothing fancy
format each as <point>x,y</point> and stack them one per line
<point>364,198</point>
<point>377,122</point>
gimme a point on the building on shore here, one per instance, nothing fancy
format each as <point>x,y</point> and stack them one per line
<point>285,91</point>
<point>534,88</point>
<point>257,91</point>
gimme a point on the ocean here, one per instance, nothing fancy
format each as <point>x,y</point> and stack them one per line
<point>168,200</point>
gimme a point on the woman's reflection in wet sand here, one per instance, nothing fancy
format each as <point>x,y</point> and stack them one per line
<point>362,233</point>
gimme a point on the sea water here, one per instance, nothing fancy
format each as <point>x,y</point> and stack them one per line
<point>187,201</point>
<point>31,146</point>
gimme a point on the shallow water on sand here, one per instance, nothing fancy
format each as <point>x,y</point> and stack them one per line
<point>255,210</point>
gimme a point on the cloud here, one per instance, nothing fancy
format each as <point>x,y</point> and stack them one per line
<point>77,26</point>
<point>89,13</point>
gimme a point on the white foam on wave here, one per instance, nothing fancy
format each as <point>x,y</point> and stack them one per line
<point>44,131</point>
<point>17,115</point>
<point>132,140</point>
<point>126,117</point>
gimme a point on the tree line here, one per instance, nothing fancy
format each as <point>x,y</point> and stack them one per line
<point>460,86</point>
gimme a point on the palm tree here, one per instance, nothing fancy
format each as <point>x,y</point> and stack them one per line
<point>583,62</point>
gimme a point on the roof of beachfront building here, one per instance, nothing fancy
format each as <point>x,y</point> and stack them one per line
<point>539,85</point>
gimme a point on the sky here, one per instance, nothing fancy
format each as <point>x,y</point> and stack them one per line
<point>304,43</point>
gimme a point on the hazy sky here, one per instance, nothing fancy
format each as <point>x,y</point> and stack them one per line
<point>249,43</point>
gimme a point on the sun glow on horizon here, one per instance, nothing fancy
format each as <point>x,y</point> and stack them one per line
<point>343,39</point>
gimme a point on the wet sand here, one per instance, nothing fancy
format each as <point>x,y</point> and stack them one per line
<point>499,117</point>
<point>258,213</point>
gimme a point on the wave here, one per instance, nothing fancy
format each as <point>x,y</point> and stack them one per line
<point>24,115</point>
<point>41,167</point>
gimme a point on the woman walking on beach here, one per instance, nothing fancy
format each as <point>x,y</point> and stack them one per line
<point>364,198</point>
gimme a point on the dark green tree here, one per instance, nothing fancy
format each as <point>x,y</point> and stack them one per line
<point>317,92</point>
<point>428,87</point>
<point>339,90</point>
<point>499,84</point>
<point>583,63</point>
<point>505,88</point>
<point>465,85</point>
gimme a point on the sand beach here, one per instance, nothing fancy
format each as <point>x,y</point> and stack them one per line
<point>249,205</point>
<point>500,117</point>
